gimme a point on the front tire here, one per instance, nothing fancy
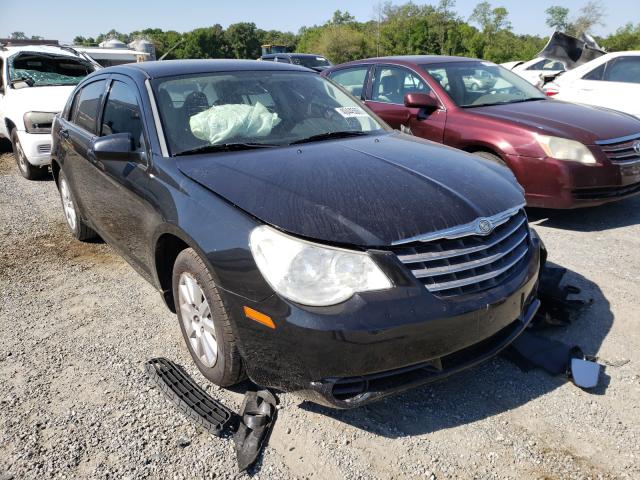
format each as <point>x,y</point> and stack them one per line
<point>28,171</point>
<point>80,230</point>
<point>204,321</point>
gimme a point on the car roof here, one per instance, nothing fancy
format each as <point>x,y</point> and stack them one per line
<point>169,68</point>
<point>10,50</point>
<point>417,59</point>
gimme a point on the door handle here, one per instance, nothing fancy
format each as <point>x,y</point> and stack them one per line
<point>64,133</point>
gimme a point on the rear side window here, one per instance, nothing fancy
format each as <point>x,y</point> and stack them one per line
<point>86,104</point>
<point>623,69</point>
<point>352,79</point>
<point>1,74</point>
<point>122,114</point>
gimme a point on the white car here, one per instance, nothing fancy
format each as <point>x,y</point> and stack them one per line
<point>532,69</point>
<point>612,81</point>
<point>35,82</point>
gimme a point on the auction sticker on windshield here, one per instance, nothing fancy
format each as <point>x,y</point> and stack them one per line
<point>351,112</point>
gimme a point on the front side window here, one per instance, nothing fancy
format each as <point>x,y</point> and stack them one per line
<point>477,84</point>
<point>86,104</point>
<point>122,114</point>
<point>391,84</point>
<point>256,108</point>
<point>41,69</point>
<point>352,79</point>
<point>1,74</point>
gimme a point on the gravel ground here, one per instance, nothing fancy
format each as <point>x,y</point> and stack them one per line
<point>77,324</point>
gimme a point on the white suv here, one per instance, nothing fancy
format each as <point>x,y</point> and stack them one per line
<point>35,82</point>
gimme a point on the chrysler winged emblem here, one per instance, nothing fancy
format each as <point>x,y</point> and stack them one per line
<point>636,147</point>
<point>485,227</point>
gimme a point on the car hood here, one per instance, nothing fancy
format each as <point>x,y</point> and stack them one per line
<point>368,191</point>
<point>41,99</point>
<point>584,123</point>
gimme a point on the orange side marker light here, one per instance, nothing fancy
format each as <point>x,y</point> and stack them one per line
<point>259,317</point>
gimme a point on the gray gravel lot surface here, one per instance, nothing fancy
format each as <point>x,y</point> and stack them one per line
<point>77,324</point>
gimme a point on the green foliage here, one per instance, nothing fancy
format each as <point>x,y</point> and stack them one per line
<point>18,36</point>
<point>398,29</point>
<point>625,38</point>
<point>208,42</point>
<point>590,15</point>
<point>243,40</point>
<point>558,18</point>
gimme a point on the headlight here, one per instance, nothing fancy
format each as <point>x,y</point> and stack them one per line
<point>38,122</point>
<point>312,274</point>
<point>565,149</point>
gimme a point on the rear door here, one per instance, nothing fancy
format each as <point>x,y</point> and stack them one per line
<point>389,86</point>
<point>76,135</point>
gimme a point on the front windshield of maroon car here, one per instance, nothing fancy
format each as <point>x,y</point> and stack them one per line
<point>477,84</point>
<point>256,108</point>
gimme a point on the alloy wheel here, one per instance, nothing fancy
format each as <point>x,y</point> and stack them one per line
<point>197,320</point>
<point>67,204</point>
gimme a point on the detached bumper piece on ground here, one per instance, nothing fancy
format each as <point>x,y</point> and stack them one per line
<point>250,429</point>
<point>530,351</point>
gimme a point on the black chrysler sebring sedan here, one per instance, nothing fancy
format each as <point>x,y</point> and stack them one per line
<point>301,241</point>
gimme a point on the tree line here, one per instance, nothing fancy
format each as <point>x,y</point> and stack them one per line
<point>405,29</point>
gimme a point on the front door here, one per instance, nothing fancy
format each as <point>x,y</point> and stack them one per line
<point>121,203</point>
<point>390,84</point>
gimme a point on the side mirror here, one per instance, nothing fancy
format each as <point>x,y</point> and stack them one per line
<point>118,146</point>
<point>421,100</point>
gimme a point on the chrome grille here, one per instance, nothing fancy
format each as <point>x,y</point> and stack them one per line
<point>622,151</point>
<point>44,148</point>
<point>471,263</point>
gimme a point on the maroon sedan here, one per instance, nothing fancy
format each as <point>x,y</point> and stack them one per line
<point>564,155</point>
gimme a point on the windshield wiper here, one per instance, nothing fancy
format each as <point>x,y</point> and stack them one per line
<point>532,99</point>
<point>329,135</point>
<point>222,147</point>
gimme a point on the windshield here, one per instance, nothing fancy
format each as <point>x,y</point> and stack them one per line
<point>39,69</point>
<point>256,108</point>
<point>310,62</point>
<point>476,84</point>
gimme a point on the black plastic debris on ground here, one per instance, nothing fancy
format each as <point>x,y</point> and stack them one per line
<point>189,397</point>
<point>556,308</point>
<point>258,413</point>
<point>251,428</point>
<point>530,351</point>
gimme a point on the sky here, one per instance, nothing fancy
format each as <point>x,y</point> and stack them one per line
<point>64,19</point>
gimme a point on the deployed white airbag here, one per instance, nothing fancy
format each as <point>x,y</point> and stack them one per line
<point>222,122</point>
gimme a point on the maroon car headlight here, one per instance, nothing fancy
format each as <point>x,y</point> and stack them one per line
<point>313,274</point>
<point>565,149</point>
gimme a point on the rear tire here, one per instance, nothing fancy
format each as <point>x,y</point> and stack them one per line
<point>204,321</point>
<point>28,171</point>
<point>80,230</point>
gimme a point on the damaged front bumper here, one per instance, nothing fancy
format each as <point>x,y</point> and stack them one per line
<point>380,343</point>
